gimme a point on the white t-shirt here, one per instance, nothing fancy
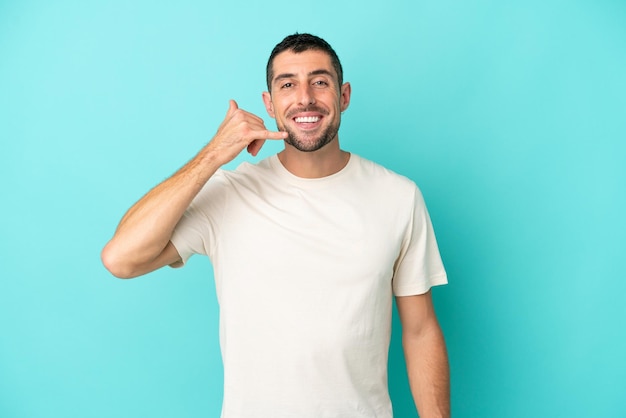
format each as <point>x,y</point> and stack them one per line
<point>305,272</point>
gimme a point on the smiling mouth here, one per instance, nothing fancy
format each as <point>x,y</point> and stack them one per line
<point>307,119</point>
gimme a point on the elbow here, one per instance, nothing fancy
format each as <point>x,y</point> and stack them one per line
<point>115,264</point>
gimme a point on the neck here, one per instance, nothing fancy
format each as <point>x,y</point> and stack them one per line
<point>321,163</point>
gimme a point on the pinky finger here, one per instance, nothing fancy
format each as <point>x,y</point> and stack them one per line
<point>273,135</point>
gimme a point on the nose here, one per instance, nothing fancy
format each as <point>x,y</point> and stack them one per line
<point>306,95</point>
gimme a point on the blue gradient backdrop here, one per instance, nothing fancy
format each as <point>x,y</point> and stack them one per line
<point>510,115</point>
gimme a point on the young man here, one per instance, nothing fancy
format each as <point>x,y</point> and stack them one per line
<point>309,247</point>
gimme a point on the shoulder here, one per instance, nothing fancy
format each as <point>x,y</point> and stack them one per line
<point>380,176</point>
<point>247,176</point>
<point>247,170</point>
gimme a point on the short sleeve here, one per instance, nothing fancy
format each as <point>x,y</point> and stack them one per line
<point>419,266</point>
<point>197,230</point>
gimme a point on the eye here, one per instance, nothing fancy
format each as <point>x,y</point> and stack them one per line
<point>286,85</point>
<point>320,83</point>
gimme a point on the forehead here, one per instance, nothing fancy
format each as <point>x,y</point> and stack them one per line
<point>302,63</point>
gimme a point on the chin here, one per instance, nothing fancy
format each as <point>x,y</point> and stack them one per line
<point>308,146</point>
<point>314,143</point>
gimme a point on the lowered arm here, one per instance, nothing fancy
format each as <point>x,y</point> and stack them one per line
<point>426,356</point>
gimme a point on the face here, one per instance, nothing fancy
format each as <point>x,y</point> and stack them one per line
<point>306,100</point>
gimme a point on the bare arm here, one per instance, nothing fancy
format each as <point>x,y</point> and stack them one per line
<point>426,357</point>
<point>141,242</point>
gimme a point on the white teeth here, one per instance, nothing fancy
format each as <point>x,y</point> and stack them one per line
<point>307,119</point>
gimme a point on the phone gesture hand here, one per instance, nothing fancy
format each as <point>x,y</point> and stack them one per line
<point>241,130</point>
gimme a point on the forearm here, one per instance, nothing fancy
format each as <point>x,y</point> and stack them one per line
<point>147,227</point>
<point>140,243</point>
<point>428,370</point>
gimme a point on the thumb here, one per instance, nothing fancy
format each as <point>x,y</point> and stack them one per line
<point>232,106</point>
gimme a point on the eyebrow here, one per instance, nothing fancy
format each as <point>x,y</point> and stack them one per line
<point>292,75</point>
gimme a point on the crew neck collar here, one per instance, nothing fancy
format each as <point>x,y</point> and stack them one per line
<point>281,171</point>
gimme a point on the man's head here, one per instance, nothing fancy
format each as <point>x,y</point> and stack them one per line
<point>306,93</point>
<point>298,43</point>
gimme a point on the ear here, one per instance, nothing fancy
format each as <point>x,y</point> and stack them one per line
<point>267,99</point>
<point>344,99</point>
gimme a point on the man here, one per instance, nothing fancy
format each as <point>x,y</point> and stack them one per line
<point>308,246</point>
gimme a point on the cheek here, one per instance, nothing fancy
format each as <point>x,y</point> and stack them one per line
<point>279,113</point>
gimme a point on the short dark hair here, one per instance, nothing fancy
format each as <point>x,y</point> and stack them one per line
<point>300,42</point>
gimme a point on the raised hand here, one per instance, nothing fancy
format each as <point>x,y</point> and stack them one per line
<point>142,240</point>
<point>241,130</point>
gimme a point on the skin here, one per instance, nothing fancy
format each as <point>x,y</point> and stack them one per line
<point>425,354</point>
<point>304,85</point>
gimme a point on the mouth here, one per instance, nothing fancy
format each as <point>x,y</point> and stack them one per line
<point>308,121</point>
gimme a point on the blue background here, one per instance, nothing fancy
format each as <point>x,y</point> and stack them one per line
<point>510,115</point>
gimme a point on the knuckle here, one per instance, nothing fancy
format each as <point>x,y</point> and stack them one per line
<point>246,132</point>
